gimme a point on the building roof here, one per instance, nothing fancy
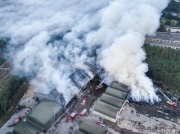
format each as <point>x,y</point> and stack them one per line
<point>106,109</point>
<point>116,93</point>
<point>91,128</point>
<point>119,86</point>
<point>78,132</point>
<point>44,112</point>
<point>111,100</point>
<point>25,128</point>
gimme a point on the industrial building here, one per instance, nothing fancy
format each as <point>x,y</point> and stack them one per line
<point>110,102</point>
<point>80,78</point>
<point>40,118</point>
<point>87,127</point>
<point>119,86</point>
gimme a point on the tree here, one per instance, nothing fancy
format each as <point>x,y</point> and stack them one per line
<point>173,22</point>
<point>164,66</point>
<point>162,28</point>
<point>163,22</point>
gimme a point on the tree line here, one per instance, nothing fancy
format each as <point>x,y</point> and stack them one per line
<point>8,93</point>
<point>170,16</point>
<point>164,66</point>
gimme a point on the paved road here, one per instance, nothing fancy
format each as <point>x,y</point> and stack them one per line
<point>175,46</point>
<point>5,128</point>
<point>164,39</point>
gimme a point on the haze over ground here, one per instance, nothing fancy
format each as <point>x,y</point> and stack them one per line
<point>113,29</point>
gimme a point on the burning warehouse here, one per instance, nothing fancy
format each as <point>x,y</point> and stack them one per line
<point>80,78</point>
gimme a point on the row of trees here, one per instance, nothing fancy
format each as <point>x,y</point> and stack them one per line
<point>170,20</point>
<point>7,93</point>
<point>164,65</point>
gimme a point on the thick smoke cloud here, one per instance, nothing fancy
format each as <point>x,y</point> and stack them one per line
<point>50,40</point>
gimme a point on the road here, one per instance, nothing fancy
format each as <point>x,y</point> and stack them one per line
<point>164,39</point>
<point>5,128</point>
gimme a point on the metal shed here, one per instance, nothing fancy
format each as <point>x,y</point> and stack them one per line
<point>91,128</point>
<point>116,93</point>
<point>45,114</point>
<point>26,128</point>
<point>111,100</point>
<point>119,86</point>
<point>106,109</point>
<point>78,132</point>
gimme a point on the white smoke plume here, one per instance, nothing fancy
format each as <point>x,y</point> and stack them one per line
<point>50,39</point>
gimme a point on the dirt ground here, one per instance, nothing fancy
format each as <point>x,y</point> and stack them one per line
<point>148,120</point>
<point>30,92</point>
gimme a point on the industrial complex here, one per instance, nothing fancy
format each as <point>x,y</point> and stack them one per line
<point>97,109</point>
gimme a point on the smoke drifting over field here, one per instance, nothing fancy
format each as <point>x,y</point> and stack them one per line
<point>50,40</point>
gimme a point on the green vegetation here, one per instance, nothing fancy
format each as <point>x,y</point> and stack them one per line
<point>14,101</point>
<point>8,95</point>
<point>173,7</point>
<point>162,28</point>
<point>164,66</point>
<point>170,14</point>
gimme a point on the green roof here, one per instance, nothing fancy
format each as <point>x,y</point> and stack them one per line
<point>78,132</point>
<point>44,112</point>
<point>91,128</point>
<point>116,93</point>
<point>106,109</point>
<point>111,100</point>
<point>25,128</point>
<point>119,86</point>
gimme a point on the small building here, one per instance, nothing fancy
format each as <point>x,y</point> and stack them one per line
<point>87,127</point>
<point>111,100</point>
<point>116,93</point>
<point>46,113</point>
<point>119,86</point>
<point>79,132</point>
<point>27,128</point>
<point>40,119</point>
<point>110,103</point>
<point>106,109</point>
